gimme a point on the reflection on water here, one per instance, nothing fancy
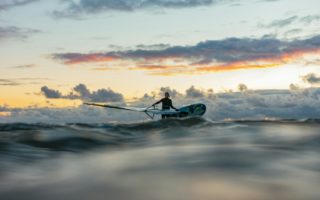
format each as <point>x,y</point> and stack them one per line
<point>170,159</point>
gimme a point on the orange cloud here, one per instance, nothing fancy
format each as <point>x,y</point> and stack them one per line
<point>5,114</point>
<point>169,70</point>
<point>209,56</point>
<point>297,54</point>
<point>152,67</point>
<point>104,69</point>
<point>91,58</point>
<point>160,67</point>
<point>237,66</point>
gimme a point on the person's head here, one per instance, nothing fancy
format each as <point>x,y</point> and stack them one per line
<point>166,94</point>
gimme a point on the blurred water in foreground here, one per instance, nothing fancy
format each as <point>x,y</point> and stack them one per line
<point>169,159</point>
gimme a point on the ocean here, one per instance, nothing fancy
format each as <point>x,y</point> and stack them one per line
<point>172,159</point>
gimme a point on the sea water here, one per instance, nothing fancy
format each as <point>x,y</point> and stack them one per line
<point>187,159</point>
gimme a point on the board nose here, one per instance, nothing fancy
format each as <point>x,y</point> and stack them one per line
<point>199,109</point>
<point>204,108</point>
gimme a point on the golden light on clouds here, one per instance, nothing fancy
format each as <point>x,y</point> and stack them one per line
<point>5,114</point>
<point>168,65</point>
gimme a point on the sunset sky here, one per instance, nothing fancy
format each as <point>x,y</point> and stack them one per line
<point>54,49</point>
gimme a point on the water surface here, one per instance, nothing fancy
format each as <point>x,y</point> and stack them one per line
<point>167,159</point>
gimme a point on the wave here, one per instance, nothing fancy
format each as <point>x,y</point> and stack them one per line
<point>41,158</point>
<point>133,126</point>
<point>79,137</point>
<point>146,125</point>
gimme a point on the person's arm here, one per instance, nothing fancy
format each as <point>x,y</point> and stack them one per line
<point>173,106</point>
<point>157,102</point>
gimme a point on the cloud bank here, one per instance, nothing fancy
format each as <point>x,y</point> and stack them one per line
<point>245,104</point>
<point>29,66</point>
<point>208,56</point>
<point>8,82</point>
<point>78,8</point>
<point>7,4</point>
<point>9,32</point>
<point>16,32</point>
<point>311,78</point>
<point>81,92</point>
<point>22,81</point>
<point>281,23</point>
<point>50,93</point>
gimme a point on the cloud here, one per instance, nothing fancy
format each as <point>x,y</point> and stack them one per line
<point>294,87</point>
<point>173,93</point>
<point>22,81</point>
<point>153,47</point>
<point>301,20</point>
<point>310,18</point>
<point>78,8</point>
<point>76,58</point>
<point>24,66</point>
<point>313,62</point>
<point>50,93</point>
<point>192,92</point>
<point>292,32</point>
<point>8,4</point>
<point>16,32</point>
<point>81,92</point>
<point>311,78</point>
<point>208,56</point>
<point>282,22</point>
<point>255,105</point>
<point>106,95</point>
<point>242,87</point>
<point>9,82</point>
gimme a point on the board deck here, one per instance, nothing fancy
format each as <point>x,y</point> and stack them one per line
<point>192,110</point>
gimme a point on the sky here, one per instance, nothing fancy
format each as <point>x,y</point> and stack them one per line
<point>55,54</point>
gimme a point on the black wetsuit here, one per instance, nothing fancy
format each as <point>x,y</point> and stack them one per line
<point>166,105</point>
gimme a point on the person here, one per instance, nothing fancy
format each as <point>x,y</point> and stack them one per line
<point>166,104</point>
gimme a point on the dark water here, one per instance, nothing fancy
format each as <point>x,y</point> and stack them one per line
<point>170,159</point>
